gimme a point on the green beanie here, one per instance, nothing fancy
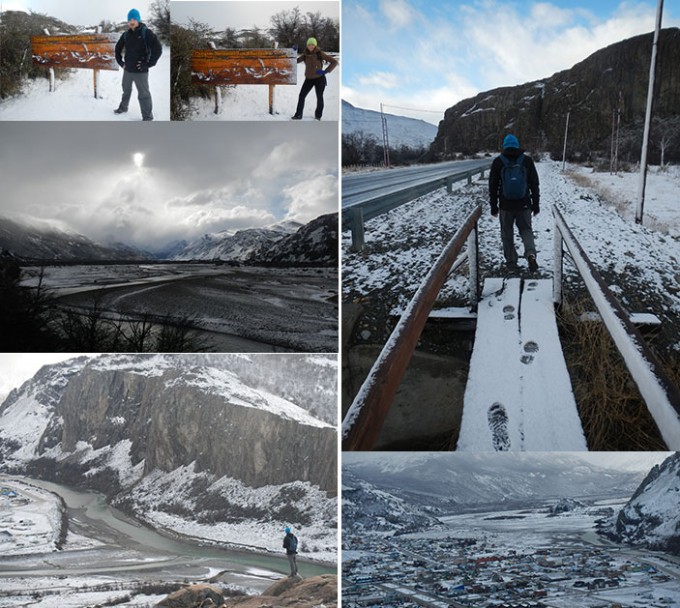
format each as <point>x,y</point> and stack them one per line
<point>311,41</point>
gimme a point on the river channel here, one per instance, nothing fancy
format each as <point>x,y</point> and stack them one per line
<point>119,546</point>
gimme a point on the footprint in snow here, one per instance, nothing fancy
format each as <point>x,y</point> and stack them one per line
<point>498,424</point>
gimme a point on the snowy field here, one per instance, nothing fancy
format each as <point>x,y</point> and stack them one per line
<point>73,98</point>
<point>640,264</point>
<point>251,102</point>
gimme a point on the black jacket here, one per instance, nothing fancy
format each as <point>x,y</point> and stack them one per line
<point>531,201</point>
<point>136,57</point>
<point>286,543</point>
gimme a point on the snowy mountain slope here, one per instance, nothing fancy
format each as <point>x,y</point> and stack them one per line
<point>366,507</point>
<point>40,241</point>
<point>239,246</point>
<point>314,243</point>
<point>402,131</point>
<point>652,516</point>
<point>133,426</point>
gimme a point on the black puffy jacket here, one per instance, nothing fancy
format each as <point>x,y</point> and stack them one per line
<point>140,55</point>
<point>531,201</point>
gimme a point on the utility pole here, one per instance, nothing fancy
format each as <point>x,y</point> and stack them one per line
<point>386,140</point>
<point>564,151</point>
<point>648,119</point>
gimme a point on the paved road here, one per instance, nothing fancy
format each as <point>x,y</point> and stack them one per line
<point>361,187</point>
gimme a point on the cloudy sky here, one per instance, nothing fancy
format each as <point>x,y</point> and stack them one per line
<point>80,12</point>
<point>150,186</point>
<point>428,55</point>
<point>245,14</point>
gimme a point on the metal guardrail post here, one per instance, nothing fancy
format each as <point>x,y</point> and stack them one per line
<point>366,415</point>
<point>660,394</point>
<point>473,261</point>
<point>356,218</point>
<point>469,178</point>
<point>558,262</point>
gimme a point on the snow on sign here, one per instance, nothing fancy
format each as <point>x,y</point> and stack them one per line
<point>91,51</point>
<point>219,67</point>
<point>244,66</point>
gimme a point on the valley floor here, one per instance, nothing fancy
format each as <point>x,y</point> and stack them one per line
<point>105,556</point>
<point>249,309</point>
<point>508,558</point>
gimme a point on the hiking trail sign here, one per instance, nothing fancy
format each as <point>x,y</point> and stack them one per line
<point>221,67</point>
<point>91,51</point>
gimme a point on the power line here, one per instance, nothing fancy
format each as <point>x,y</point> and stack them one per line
<point>413,109</point>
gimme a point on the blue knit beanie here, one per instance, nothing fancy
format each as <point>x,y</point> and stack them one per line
<point>134,14</point>
<point>510,141</point>
<point>287,530</point>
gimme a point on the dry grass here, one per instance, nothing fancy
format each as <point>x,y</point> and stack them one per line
<point>612,411</point>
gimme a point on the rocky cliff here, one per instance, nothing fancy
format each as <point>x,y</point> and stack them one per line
<point>612,78</point>
<point>175,434</point>
<point>652,516</point>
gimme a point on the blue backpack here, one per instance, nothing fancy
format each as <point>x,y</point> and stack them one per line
<point>292,543</point>
<point>514,178</point>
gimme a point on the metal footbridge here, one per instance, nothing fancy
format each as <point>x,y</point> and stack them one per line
<point>518,394</point>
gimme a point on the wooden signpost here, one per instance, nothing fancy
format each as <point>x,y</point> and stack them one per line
<point>220,67</point>
<point>92,51</point>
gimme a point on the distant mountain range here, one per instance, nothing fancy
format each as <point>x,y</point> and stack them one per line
<point>401,131</point>
<point>286,243</point>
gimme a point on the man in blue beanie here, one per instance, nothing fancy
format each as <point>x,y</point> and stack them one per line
<point>290,544</point>
<point>142,51</point>
<point>514,191</point>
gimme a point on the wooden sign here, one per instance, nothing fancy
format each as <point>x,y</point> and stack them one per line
<point>219,67</point>
<point>91,51</point>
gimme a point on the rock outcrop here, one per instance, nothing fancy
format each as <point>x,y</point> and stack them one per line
<point>292,591</point>
<point>611,78</point>
<point>652,516</point>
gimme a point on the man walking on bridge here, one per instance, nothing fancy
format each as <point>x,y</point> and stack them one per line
<point>514,188</point>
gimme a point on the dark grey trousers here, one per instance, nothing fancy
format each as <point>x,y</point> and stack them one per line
<point>523,221</point>
<point>141,81</point>
<point>292,560</point>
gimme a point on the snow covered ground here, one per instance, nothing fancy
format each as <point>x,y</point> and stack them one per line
<point>640,264</point>
<point>251,102</point>
<point>73,98</point>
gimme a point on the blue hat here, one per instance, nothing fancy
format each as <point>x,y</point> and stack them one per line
<point>510,141</point>
<point>287,530</point>
<point>134,14</point>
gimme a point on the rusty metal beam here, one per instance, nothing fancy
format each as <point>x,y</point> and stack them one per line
<point>366,415</point>
<point>91,51</point>
<point>657,389</point>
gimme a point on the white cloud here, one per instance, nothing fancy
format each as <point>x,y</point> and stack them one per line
<point>398,12</point>
<point>382,80</point>
<point>311,198</point>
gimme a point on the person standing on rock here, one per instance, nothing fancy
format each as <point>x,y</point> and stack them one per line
<point>290,544</point>
<point>142,51</point>
<point>514,191</point>
<point>315,77</point>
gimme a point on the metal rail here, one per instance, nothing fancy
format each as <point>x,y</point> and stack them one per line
<point>657,389</point>
<point>366,415</point>
<point>354,216</point>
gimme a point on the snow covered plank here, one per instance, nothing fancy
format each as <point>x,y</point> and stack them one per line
<point>518,396</point>
<point>92,51</point>
<point>243,66</point>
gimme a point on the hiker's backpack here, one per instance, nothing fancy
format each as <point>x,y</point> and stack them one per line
<point>146,44</point>
<point>292,543</point>
<point>514,178</point>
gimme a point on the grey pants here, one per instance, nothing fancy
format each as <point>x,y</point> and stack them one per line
<point>292,560</point>
<point>141,80</point>
<point>523,220</point>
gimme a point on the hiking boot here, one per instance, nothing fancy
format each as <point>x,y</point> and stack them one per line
<point>120,111</point>
<point>148,118</point>
<point>533,265</point>
<point>296,117</point>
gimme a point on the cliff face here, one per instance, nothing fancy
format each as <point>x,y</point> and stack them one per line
<point>652,516</point>
<point>180,437</point>
<point>613,77</point>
